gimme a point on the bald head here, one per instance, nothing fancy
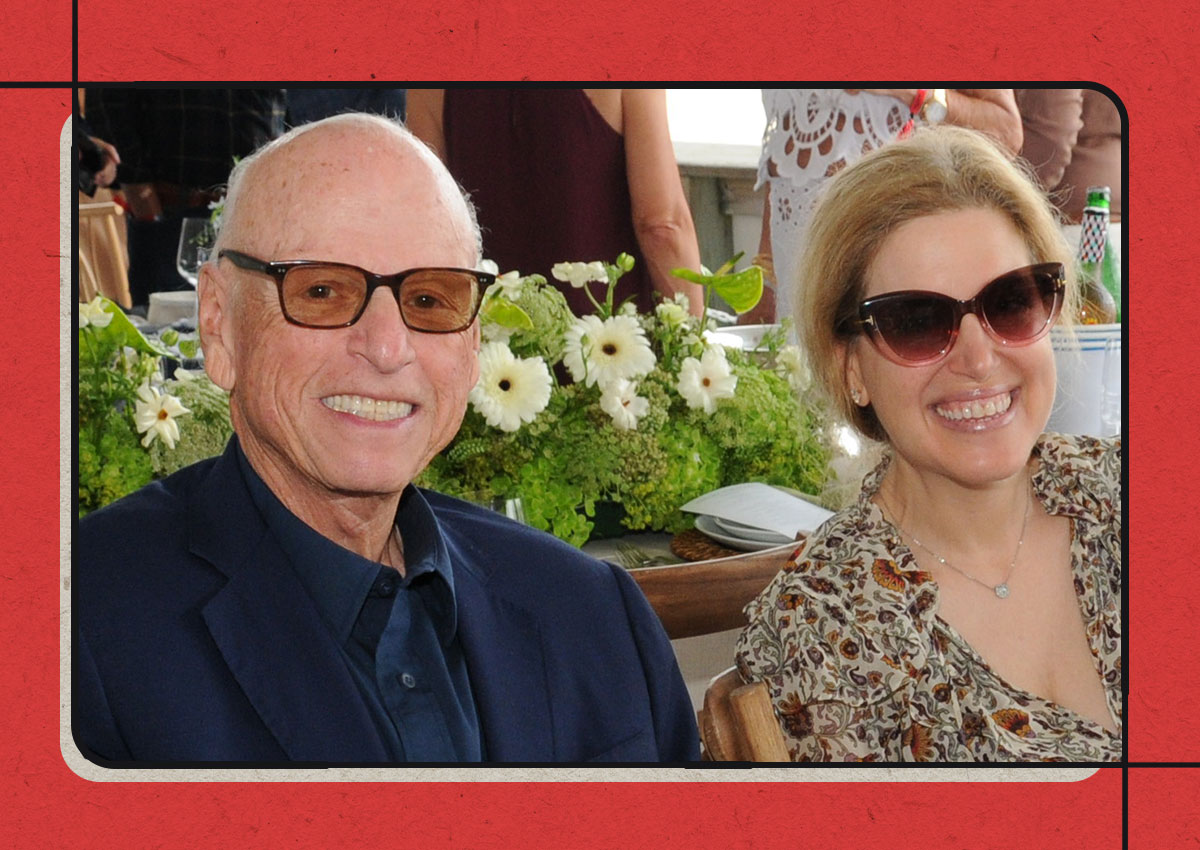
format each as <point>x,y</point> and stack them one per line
<point>278,194</point>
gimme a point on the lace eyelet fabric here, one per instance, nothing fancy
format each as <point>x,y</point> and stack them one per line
<point>811,134</point>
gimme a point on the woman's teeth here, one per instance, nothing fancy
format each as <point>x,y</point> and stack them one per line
<point>375,409</point>
<point>975,409</point>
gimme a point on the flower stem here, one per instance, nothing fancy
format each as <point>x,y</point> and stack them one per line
<point>587,289</point>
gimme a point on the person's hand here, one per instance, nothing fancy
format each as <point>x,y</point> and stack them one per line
<point>107,175</point>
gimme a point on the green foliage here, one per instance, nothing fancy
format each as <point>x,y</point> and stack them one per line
<point>572,456</point>
<point>115,359</point>
<point>741,290</point>
<point>112,462</point>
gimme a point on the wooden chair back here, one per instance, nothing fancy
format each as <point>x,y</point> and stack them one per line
<point>738,723</point>
<point>103,267</point>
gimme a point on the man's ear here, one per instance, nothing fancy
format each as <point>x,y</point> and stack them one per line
<point>216,326</point>
<point>476,340</point>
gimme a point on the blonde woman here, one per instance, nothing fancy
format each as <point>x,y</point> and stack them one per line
<point>967,607</point>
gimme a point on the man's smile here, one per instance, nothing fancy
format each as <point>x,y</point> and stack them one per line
<point>365,407</point>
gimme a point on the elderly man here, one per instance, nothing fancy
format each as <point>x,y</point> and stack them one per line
<point>297,599</point>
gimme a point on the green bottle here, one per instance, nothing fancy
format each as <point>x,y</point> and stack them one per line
<point>1099,258</point>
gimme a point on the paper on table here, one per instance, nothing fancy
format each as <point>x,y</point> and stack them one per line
<point>761,506</point>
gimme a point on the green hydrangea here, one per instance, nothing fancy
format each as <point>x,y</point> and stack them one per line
<point>203,432</point>
<point>112,462</point>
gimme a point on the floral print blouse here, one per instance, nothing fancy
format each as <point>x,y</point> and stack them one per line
<point>860,667</point>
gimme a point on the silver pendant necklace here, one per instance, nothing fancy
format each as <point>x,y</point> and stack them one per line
<point>1001,589</point>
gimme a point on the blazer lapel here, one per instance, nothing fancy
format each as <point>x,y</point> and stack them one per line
<point>508,676</point>
<point>270,634</point>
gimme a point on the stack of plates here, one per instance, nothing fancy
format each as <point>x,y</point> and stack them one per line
<point>752,517</point>
<point>1088,396</point>
<point>736,535</point>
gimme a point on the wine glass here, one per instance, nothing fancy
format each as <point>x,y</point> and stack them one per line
<point>512,508</point>
<point>195,241</point>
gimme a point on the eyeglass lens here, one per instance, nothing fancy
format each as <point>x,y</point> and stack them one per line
<point>921,326</point>
<point>436,300</point>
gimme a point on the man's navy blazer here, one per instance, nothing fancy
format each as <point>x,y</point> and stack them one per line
<point>194,641</point>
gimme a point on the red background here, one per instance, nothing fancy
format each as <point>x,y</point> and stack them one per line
<point>1145,55</point>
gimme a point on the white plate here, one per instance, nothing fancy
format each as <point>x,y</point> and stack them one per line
<point>708,526</point>
<point>750,532</point>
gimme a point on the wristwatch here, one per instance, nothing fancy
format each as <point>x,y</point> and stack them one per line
<point>934,109</point>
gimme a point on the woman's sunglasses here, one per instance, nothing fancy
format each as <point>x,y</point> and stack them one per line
<point>915,328</point>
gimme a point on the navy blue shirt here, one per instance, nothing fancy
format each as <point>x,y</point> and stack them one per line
<point>397,634</point>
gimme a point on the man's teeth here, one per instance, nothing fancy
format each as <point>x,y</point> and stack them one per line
<point>975,409</point>
<point>375,409</point>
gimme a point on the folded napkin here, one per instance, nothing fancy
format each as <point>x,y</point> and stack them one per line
<point>760,506</point>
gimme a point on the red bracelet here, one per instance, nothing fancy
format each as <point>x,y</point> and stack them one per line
<point>922,95</point>
<point>913,110</point>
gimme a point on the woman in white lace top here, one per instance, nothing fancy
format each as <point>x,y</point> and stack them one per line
<point>812,134</point>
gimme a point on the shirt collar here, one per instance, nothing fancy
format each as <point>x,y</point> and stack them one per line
<point>339,580</point>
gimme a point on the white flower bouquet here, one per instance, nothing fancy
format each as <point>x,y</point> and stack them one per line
<point>135,426</point>
<point>619,407</point>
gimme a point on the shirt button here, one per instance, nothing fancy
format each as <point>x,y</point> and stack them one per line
<point>408,680</point>
<point>386,587</point>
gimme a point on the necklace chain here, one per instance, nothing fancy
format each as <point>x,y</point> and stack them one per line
<point>1001,590</point>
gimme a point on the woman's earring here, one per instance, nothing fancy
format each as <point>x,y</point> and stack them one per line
<point>856,396</point>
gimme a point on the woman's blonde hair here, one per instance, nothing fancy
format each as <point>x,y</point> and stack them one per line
<point>936,170</point>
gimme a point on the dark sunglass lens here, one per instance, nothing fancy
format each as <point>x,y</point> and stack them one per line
<point>915,327</point>
<point>1018,306</point>
<point>323,296</point>
<point>439,300</point>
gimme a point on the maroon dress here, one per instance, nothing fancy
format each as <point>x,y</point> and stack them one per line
<point>547,175</point>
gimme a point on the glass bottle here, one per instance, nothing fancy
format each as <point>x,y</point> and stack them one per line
<point>1098,304</point>
<point>1110,265</point>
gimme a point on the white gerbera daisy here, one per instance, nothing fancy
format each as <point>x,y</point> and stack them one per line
<point>580,274</point>
<point>511,390</point>
<point>93,313</point>
<point>154,415</point>
<point>603,351</point>
<point>621,401</point>
<point>705,381</point>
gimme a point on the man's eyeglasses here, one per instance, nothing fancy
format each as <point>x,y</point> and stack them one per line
<point>316,294</point>
<point>915,327</point>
